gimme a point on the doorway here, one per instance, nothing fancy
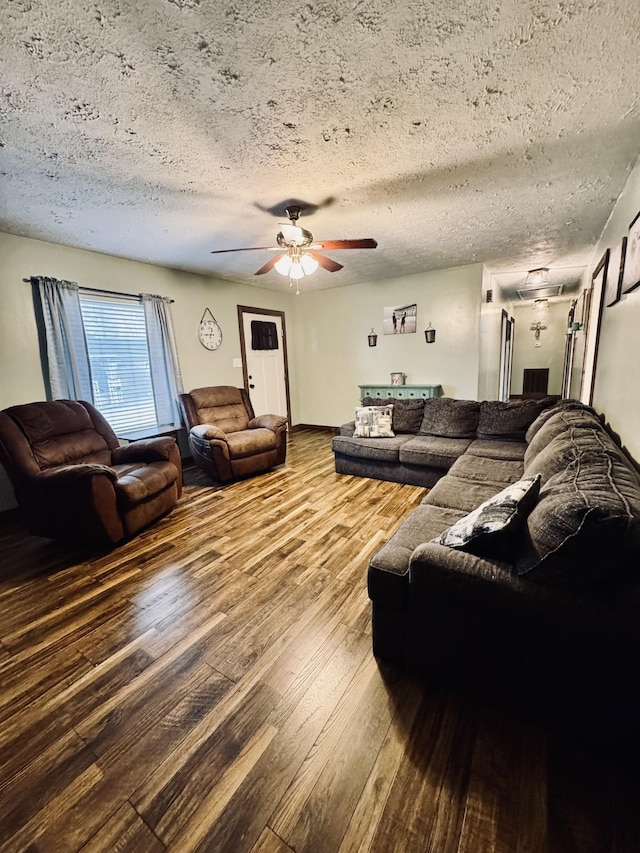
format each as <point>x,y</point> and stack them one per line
<point>507,327</point>
<point>265,369</point>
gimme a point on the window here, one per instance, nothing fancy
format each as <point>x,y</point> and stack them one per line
<point>116,350</point>
<point>116,335</point>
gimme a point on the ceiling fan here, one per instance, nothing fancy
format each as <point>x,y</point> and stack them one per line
<point>299,255</point>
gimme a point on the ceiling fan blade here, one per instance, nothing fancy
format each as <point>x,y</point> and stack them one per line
<point>249,249</point>
<point>327,263</point>
<point>332,245</point>
<point>269,265</point>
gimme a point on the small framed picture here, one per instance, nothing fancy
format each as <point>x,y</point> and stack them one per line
<point>615,269</point>
<point>631,273</point>
<point>400,319</point>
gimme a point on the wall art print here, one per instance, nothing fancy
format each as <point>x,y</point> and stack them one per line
<point>631,275</point>
<point>615,269</point>
<point>400,319</point>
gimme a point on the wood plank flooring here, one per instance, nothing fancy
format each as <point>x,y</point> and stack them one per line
<point>209,686</point>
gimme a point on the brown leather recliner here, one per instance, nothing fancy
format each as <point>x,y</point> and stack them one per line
<point>226,439</point>
<point>72,479</point>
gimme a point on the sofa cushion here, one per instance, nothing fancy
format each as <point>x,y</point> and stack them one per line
<point>558,406</point>
<point>382,449</point>
<point>498,449</point>
<point>407,414</point>
<point>483,469</point>
<point>139,482</point>
<point>489,529</point>
<point>557,424</point>
<point>567,447</point>
<point>373,422</point>
<point>449,418</point>
<point>388,569</point>
<point>249,442</point>
<point>586,524</point>
<point>509,421</point>
<point>454,492</point>
<point>434,451</point>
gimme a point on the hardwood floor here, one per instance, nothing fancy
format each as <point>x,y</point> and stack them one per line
<point>209,686</point>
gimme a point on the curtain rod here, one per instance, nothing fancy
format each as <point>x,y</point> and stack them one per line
<point>97,290</point>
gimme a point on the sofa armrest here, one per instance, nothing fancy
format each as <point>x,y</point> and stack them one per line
<point>208,432</point>
<point>348,429</point>
<point>59,477</point>
<point>272,422</point>
<point>155,449</point>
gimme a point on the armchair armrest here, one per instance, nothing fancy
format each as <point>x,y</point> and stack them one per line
<point>60,476</point>
<point>208,432</point>
<point>154,449</point>
<point>272,422</point>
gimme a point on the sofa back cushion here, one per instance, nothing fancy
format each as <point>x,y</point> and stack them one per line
<point>221,405</point>
<point>561,422</point>
<point>558,406</point>
<point>407,414</point>
<point>586,523</point>
<point>62,432</point>
<point>449,418</point>
<point>509,421</point>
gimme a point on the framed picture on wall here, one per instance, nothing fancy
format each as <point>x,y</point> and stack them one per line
<point>615,270</point>
<point>598,282</point>
<point>400,319</point>
<point>631,273</point>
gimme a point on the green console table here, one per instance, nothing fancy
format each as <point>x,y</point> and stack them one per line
<point>401,392</point>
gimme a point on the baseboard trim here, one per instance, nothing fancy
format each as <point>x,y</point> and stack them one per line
<point>329,429</point>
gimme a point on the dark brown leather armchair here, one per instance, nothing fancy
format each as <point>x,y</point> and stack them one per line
<point>72,479</point>
<point>226,439</point>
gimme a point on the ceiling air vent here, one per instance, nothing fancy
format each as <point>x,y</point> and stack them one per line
<point>540,292</point>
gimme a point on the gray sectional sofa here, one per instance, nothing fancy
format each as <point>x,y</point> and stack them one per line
<point>537,612</point>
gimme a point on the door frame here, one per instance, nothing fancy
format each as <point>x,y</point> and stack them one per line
<point>246,309</point>
<point>507,334</point>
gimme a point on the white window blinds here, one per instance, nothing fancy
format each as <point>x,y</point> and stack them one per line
<point>116,337</point>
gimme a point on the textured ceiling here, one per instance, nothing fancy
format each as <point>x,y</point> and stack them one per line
<point>451,131</point>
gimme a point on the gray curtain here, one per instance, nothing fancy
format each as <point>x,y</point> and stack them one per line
<point>163,358</point>
<point>67,356</point>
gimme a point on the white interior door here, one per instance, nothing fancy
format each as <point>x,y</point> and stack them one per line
<point>266,369</point>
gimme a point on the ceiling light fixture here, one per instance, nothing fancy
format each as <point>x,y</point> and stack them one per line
<point>296,265</point>
<point>537,278</point>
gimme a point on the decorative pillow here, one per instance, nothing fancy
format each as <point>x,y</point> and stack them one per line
<point>407,414</point>
<point>449,418</point>
<point>488,530</point>
<point>374,422</point>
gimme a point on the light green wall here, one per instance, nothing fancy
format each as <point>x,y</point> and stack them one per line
<point>490,338</point>
<point>333,356</point>
<point>22,379</point>
<point>20,366</point>
<point>553,340</point>
<point>617,391</point>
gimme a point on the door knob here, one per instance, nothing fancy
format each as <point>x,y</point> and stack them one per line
<point>251,385</point>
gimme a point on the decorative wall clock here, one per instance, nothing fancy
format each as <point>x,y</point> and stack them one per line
<point>209,332</point>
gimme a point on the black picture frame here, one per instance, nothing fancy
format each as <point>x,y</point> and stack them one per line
<point>631,272</point>
<point>615,270</point>
<point>598,282</point>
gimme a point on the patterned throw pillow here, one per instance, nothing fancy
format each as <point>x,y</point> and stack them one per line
<point>374,422</point>
<point>487,530</point>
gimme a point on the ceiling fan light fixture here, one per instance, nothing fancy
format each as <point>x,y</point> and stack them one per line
<point>296,271</point>
<point>293,234</point>
<point>309,264</point>
<point>283,265</point>
<point>537,278</point>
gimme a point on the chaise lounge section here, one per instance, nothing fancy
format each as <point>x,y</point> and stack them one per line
<point>538,613</point>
